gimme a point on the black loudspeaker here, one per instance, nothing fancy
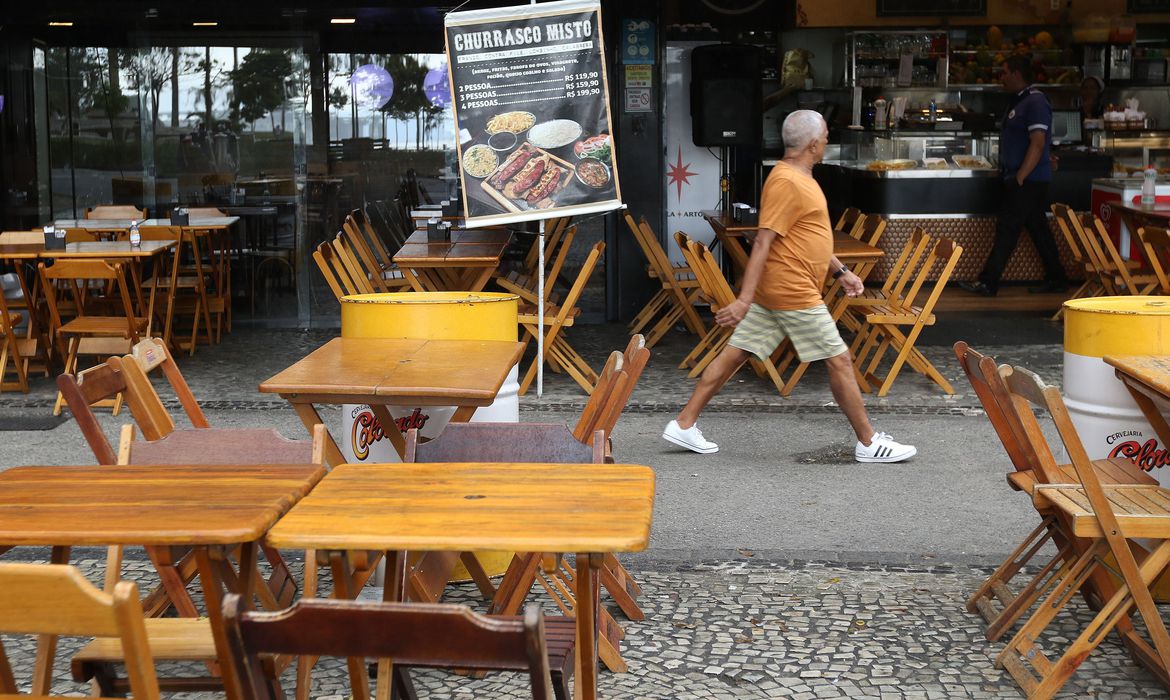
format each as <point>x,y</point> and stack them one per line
<point>726,104</point>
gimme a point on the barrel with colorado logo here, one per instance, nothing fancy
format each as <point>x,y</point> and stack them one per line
<point>1108,420</point>
<point>431,316</point>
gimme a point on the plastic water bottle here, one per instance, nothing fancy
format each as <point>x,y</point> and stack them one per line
<point>135,236</point>
<point>1149,179</point>
<point>933,112</point>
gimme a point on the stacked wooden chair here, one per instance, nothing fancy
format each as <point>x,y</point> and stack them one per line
<point>525,285</point>
<point>425,636</point>
<point>1108,520</point>
<point>994,600</point>
<point>895,320</point>
<point>1156,244</point>
<point>365,244</point>
<point>850,221</point>
<point>559,354</point>
<point>1097,282</point>
<point>719,293</point>
<point>674,301</point>
<point>1128,276</point>
<point>55,599</point>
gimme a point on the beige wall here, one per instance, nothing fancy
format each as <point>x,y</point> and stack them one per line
<point>862,13</point>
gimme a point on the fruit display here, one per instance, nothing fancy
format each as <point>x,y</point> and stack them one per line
<point>978,61</point>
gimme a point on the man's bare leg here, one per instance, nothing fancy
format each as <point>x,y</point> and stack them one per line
<point>848,395</point>
<point>711,381</point>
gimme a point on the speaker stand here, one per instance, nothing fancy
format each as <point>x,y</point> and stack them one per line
<point>725,180</point>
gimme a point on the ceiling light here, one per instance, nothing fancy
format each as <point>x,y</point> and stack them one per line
<point>60,24</point>
<point>205,24</point>
<point>342,20</point>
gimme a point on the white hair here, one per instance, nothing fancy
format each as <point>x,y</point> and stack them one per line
<point>801,128</point>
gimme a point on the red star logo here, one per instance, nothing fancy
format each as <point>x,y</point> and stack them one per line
<point>678,174</point>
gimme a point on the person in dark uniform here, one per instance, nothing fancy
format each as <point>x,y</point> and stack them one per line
<point>1024,164</point>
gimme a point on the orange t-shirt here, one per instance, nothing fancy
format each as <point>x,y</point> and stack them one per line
<point>794,206</point>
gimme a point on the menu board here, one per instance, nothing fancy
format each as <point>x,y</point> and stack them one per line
<point>531,102</point>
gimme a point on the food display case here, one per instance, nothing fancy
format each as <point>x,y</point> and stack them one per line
<point>1133,150</point>
<point>947,183</point>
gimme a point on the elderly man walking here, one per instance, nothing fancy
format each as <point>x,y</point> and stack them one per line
<point>781,296</point>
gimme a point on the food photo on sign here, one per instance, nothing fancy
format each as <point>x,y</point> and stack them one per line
<point>528,87</point>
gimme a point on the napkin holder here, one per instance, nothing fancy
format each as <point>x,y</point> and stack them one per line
<point>180,217</point>
<point>438,231</point>
<point>54,239</point>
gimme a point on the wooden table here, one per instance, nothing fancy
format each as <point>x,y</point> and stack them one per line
<point>590,509</point>
<point>213,509</point>
<point>1147,377</point>
<point>731,234</point>
<point>465,263</point>
<point>384,372</point>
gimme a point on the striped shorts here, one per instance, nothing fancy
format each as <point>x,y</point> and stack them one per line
<point>812,332</point>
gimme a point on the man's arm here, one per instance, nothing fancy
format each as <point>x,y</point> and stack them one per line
<point>850,282</point>
<point>734,312</point>
<point>1036,139</point>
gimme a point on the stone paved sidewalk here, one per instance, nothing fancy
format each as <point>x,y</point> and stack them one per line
<point>745,630</point>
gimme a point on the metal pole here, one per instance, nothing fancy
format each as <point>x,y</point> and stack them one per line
<point>540,313</point>
<point>539,305</point>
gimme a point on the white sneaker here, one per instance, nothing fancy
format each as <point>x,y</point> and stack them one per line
<point>691,438</point>
<point>882,448</point>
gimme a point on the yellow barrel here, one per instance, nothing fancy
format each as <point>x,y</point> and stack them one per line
<point>1106,417</point>
<point>431,315</point>
<point>438,316</point>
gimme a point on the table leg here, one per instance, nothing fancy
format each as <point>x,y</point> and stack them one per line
<point>213,600</point>
<point>480,281</point>
<point>394,591</point>
<point>1149,409</point>
<point>415,283</point>
<point>47,643</point>
<point>389,428</point>
<point>588,602</point>
<point>309,417</point>
<point>359,684</point>
<point>463,414</point>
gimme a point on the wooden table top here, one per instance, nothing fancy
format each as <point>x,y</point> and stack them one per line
<point>87,249</point>
<point>720,220</point>
<point>482,246</point>
<point>148,505</point>
<point>196,222</point>
<point>1159,210</point>
<point>457,507</point>
<point>424,372</point>
<point>1151,370</point>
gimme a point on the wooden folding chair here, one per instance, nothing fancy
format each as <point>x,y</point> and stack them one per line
<point>424,636</point>
<point>884,324</point>
<point>1108,518</point>
<point>850,220</point>
<point>609,397</point>
<point>23,346</point>
<point>1156,244</point>
<point>559,354</point>
<point>554,230</point>
<point>1127,277</point>
<point>508,443</point>
<point>525,286</point>
<point>1070,228</point>
<point>717,289</point>
<point>999,606</point>
<point>335,272</point>
<point>366,245</point>
<point>55,599</point>
<point>675,300</point>
<point>116,211</point>
<point>90,333</point>
<point>219,251</point>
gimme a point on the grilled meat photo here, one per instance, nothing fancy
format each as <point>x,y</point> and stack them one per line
<point>548,183</point>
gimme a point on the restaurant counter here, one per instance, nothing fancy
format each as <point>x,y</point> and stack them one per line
<point>958,203</point>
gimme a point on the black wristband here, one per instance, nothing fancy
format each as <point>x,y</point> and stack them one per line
<point>843,269</point>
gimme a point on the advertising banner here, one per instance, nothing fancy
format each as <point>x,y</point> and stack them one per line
<point>531,103</point>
